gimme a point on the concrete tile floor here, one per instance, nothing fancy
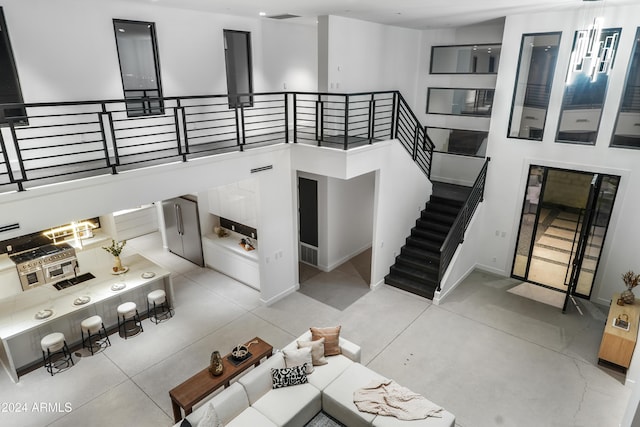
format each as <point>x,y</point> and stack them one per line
<point>490,357</point>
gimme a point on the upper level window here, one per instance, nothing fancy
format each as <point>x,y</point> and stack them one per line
<point>592,57</point>
<point>627,132</point>
<point>237,51</point>
<point>9,85</point>
<point>465,59</point>
<point>139,68</point>
<point>538,57</point>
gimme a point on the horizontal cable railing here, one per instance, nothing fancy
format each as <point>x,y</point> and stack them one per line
<point>43,143</point>
<point>456,233</point>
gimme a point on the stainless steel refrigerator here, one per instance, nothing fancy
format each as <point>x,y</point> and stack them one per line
<point>182,226</point>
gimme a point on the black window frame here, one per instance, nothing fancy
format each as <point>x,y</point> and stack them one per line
<point>21,118</point>
<point>236,101</point>
<point>147,109</point>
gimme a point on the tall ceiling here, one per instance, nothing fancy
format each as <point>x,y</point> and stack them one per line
<point>420,14</point>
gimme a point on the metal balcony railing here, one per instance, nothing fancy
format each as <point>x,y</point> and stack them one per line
<point>44,143</point>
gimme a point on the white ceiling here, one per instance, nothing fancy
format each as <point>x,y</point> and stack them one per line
<point>419,14</point>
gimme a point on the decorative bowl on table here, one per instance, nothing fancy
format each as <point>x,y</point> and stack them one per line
<point>82,300</point>
<point>43,314</point>
<point>240,352</point>
<point>118,286</point>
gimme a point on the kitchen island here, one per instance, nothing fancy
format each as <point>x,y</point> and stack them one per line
<point>24,320</point>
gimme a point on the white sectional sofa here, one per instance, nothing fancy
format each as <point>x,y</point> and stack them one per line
<point>251,401</point>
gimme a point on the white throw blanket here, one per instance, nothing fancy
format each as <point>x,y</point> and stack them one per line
<point>386,397</point>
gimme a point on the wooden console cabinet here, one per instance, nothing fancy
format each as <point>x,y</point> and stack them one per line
<point>617,344</point>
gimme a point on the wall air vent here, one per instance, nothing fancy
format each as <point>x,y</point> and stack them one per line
<point>308,254</point>
<point>283,16</point>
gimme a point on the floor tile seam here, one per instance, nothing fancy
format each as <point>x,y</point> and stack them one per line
<point>399,333</point>
<point>94,398</point>
<point>559,352</point>
<point>221,295</point>
<point>271,323</point>
<point>196,340</point>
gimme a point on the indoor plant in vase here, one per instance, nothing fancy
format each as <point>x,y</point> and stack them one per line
<point>116,249</point>
<point>630,280</point>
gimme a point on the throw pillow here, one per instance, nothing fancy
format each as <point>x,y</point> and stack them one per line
<point>317,351</point>
<point>210,418</point>
<point>298,357</point>
<point>331,339</point>
<point>286,377</point>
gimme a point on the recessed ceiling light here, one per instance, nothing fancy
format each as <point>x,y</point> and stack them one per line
<point>263,14</point>
<point>121,30</point>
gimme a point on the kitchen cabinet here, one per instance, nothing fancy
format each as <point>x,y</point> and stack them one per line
<point>21,332</point>
<point>237,202</point>
<point>136,222</point>
<point>226,256</point>
<point>617,344</point>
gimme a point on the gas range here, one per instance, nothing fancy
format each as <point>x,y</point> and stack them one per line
<point>45,264</point>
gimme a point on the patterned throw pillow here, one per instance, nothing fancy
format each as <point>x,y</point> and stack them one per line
<point>331,339</point>
<point>289,376</point>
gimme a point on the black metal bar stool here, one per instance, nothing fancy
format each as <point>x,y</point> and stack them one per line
<point>93,326</point>
<point>160,306</point>
<point>53,344</point>
<point>128,313</point>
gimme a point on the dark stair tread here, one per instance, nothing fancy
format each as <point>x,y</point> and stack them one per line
<point>415,274</point>
<point>432,225</point>
<point>422,243</point>
<point>446,201</point>
<point>410,286</point>
<point>442,208</point>
<point>416,264</point>
<point>421,254</point>
<point>442,218</point>
<point>432,235</point>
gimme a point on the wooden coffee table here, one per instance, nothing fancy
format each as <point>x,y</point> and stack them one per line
<point>199,386</point>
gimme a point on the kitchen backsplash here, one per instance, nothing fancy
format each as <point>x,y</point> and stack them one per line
<point>238,228</point>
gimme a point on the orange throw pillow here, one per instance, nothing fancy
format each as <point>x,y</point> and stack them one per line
<point>331,339</point>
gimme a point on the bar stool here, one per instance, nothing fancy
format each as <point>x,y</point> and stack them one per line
<point>53,344</point>
<point>93,325</point>
<point>128,312</point>
<point>159,300</point>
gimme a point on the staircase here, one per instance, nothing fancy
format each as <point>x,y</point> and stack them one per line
<point>417,267</point>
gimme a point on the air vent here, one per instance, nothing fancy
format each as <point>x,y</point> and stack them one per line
<point>308,254</point>
<point>283,16</point>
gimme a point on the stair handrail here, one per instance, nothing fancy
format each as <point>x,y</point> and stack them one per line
<point>456,233</point>
<point>420,147</point>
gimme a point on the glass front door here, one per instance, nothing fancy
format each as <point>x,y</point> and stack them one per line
<point>563,224</point>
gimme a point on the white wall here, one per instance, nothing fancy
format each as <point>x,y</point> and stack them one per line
<point>350,217</point>
<point>364,56</point>
<point>510,158</point>
<point>476,34</point>
<point>72,55</point>
<point>401,191</point>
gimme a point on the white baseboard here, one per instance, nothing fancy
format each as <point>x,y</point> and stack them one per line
<point>490,269</point>
<point>376,285</point>
<point>439,296</point>
<point>281,295</point>
<point>330,267</point>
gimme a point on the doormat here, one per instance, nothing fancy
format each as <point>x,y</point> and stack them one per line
<point>323,420</point>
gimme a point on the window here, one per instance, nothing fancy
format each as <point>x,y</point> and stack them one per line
<point>465,59</point>
<point>139,69</point>
<point>586,86</point>
<point>538,57</point>
<point>461,102</point>
<point>627,133</point>
<point>459,141</point>
<point>237,52</point>
<point>9,85</point>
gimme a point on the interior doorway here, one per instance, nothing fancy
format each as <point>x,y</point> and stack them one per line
<point>563,225</point>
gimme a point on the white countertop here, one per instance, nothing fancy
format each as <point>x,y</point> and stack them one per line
<point>232,243</point>
<point>17,313</point>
